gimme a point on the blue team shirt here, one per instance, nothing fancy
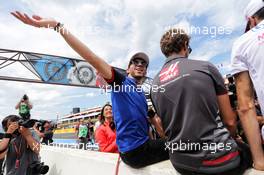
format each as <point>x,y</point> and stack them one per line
<point>129,111</point>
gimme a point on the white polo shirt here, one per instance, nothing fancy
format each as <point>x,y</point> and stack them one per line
<point>248,55</point>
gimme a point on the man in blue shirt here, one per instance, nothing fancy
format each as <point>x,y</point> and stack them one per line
<point>129,102</point>
<point>130,114</point>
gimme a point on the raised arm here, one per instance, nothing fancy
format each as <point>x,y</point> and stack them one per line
<point>29,105</point>
<point>32,143</point>
<point>40,134</point>
<point>247,114</point>
<point>98,63</point>
<point>18,104</point>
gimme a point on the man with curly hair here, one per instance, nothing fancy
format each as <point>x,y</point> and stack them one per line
<point>196,113</point>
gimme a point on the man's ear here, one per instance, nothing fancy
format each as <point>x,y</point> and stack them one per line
<point>185,46</point>
<point>253,22</point>
<point>145,73</point>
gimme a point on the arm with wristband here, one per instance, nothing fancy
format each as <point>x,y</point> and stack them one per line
<point>98,63</point>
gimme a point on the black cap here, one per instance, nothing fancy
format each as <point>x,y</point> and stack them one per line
<point>252,8</point>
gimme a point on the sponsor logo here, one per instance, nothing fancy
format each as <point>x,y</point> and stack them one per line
<point>169,73</point>
<point>261,38</point>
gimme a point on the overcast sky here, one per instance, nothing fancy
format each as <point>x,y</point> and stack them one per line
<point>114,30</point>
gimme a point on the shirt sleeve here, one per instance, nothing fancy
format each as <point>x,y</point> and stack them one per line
<point>218,80</point>
<point>35,135</point>
<point>238,63</point>
<point>117,77</point>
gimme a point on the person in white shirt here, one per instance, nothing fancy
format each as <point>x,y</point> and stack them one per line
<point>97,123</point>
<point>247,62</point>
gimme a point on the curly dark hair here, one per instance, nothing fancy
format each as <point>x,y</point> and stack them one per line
<point>173,41</point>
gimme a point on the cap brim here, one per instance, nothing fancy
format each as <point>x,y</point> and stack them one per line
<point>247,27</point>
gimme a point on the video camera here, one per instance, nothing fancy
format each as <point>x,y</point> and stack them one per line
<point>27,123</point>
<point>40,125</point>
<point>31,122</point>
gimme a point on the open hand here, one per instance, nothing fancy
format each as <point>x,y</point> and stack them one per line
<point>12,128</point>
<point>35,126</point>
<point>35,21</point>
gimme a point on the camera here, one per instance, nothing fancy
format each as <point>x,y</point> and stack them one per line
<point>25,97</point>
<point>40,125</point>
<point>37,167</point>
<point>27,123</point>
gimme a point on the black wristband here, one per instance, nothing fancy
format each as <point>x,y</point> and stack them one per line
<point>7,135</point>
<point>58,26</point>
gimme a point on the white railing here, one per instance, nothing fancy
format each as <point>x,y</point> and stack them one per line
<point>65,161</point>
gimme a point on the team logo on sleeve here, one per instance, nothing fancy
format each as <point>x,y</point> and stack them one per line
<point>261,38</point>
<point>169,73</point>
